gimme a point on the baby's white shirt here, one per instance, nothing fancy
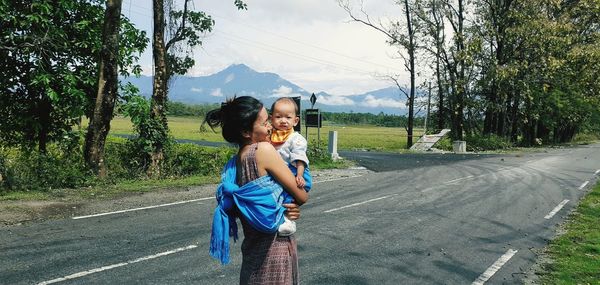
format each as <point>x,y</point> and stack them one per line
<point>294,148</point>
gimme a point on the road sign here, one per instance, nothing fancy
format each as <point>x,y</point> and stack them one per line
<point>313,118</point>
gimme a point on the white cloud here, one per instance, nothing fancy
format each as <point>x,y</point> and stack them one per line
<point>197,90</point>
<point>283,91</point>
<point>311,43</point>
<point>335,100</point>
<point>229,78</point>
<point>216,92</point>
<point>372,102</point>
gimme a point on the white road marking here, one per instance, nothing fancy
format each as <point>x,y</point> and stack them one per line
<point>583,185</point>
<point>336,179</point>
<point>359,203</point>
<point>597,171</point>
<point>112,266</point>
<point>142,208</point>
<point>458,179</point>
<point>556,209</point>
<point>180,202</point>
<point>485,276</point>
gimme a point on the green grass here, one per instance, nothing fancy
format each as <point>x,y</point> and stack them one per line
<point>575,255</point>
<point>349,137</point>
<point>107,191</point>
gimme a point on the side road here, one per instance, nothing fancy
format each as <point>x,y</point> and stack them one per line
<point>20,212</point>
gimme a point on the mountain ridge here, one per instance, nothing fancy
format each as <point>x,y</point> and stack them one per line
<point>240,80</point>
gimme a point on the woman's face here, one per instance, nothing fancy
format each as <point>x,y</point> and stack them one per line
<point>261,130</point>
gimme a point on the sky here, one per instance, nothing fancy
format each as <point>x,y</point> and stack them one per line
<point>312,43</point>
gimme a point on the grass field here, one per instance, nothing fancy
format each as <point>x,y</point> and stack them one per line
<point>349,137</point>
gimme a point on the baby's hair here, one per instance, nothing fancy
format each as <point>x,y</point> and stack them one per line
<point>285,99</point>
<point>235,116</point>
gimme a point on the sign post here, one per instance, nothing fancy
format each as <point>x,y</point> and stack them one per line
<point>313,118</point>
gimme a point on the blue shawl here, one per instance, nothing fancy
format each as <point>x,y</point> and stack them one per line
<point>259,201</point>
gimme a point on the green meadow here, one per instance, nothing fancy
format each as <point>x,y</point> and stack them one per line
<point>349,137</point>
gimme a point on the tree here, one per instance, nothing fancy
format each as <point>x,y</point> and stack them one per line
<point>48,78</point>
<point>403,35</point>
<point>108,82</point>
<point>431,16</point>
<point>171,45</point>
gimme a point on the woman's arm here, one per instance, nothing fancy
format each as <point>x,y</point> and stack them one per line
<point>268,159</point>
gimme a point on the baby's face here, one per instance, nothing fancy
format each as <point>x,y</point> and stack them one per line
<point>284,116</point>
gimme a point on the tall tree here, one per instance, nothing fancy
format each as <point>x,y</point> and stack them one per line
<point>108,82</point>
<point>172,44</point>
<point>403,35</point>
<point>48,55</point>
<point>431,16</point>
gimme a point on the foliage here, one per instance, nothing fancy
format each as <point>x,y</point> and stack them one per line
<point>525,71</point>
<point>179,109</point>
<point>64,168</point>
<point>48,80</point>
<point>317,153</point>
<point>381,119</point>
<point>477,142</point>
<point>444,144</point>
<point>58,167</point>
<point>187,159</point>
<point>150,130</point>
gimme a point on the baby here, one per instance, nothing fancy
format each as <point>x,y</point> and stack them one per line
<point>292,148</point>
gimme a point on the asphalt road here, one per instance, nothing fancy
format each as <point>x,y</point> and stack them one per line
<point>422,219</point>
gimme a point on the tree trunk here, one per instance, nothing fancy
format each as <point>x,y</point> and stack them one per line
<point>108,82</point>
<point>441,120</point>
<point>411,59</point>
<point>159,87</point>
<point>44,109</point>
<point>514,111</point>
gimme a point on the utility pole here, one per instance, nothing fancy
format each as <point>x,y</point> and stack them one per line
<point>428,106</point>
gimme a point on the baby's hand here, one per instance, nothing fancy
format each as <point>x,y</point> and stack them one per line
<point>300,181</point>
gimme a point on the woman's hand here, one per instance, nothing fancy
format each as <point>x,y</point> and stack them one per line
<point>293,211</point>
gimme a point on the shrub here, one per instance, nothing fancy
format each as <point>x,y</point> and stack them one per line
<point>65,167</point>
<point>31,170</point>
<point>190,159</point>
<point>444,143</point>
<point>486,142</point>
<point>318,153</point>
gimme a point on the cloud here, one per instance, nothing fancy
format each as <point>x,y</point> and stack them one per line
<point>216,92</point>
<point>229,78</point>
<point>372,102</point>
<point>335,100</point>
<point>283,91</point>
<point>197,90</point>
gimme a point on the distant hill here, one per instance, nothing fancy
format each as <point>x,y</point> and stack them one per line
<point>239,79</point>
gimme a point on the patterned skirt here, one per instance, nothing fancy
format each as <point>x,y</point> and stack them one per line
<point>268,259</point>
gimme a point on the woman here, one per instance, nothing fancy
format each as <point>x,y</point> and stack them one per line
<point>266,257</point>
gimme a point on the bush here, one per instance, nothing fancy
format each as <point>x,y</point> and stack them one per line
<point>65,167</point>
<point>487,142</point>
<point>190,159</point>
<point>30,170</point>
<point>477,143</point>
<point>318,153</point>
<point>444,143</point>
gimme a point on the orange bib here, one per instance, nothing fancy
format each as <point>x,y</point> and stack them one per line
<point>278,137</point>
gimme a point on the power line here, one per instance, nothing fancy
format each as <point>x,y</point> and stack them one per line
<point>302,43</point>
<point>277,50</point>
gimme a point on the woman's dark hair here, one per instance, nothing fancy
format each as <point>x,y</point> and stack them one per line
<point>235,116</point>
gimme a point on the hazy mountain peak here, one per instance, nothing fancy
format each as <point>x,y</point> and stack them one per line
<point>240,80</point>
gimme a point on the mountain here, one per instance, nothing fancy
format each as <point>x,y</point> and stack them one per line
<point>240,80</point>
